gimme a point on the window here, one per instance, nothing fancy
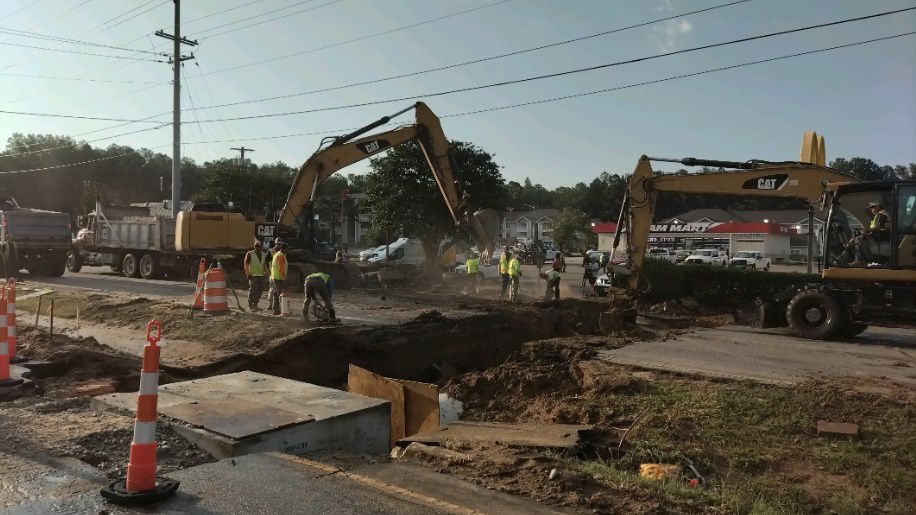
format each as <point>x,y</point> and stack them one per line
<point>906,227</point>
<point>848,241</point>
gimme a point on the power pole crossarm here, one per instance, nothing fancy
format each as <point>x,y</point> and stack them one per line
<point>176,61</point>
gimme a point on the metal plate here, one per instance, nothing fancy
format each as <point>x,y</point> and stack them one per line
<point>234,418</point>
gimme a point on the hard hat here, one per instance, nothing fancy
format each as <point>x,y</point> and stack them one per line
<point>873,204</point>
<point>279,241</point>
<point>257,243</point>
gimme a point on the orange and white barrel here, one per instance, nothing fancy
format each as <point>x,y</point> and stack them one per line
<point>284,304</point>
<point>4,345</point>
<point>215,300</point>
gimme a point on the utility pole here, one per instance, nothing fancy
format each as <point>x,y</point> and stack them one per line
<point>176,61</point>
<point>242,150</point>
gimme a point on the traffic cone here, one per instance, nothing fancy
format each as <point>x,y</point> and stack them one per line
<point>199,291</point>
<point>141,485</point>
<point>5,379</point>
<point>284,304</point>
<point>215,300</point>
<point>11,322</point>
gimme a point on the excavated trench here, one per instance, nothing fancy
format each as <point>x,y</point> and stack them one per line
<point>430,348</point>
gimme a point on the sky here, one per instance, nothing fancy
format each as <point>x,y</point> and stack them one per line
<point>863,99</point>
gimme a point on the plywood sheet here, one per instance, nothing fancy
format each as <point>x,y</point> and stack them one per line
<point>364,382</point>
<point>421,407</point>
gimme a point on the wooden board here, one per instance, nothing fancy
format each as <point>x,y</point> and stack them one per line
<point>551,436</point>
<point>364,382</point>
<point>421,407</point>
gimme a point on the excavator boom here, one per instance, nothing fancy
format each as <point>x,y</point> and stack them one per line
<point>804,180</point>
<point>344,151</point>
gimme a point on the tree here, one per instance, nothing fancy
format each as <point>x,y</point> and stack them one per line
<point>405,199</point>
<point>864,169</point>
<point>571,229</point>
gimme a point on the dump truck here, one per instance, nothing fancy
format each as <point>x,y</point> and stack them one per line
<point>140,241</point>
<point>33,239</point>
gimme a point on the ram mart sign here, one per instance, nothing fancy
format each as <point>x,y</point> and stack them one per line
<point>696,227</point>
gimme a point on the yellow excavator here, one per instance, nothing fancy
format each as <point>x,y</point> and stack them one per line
<point>335,153</point>
<point>854,291</point>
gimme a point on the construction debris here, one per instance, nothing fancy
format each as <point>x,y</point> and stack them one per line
<point>564,437</point>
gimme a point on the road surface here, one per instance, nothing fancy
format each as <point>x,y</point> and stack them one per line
<point>774,356</point>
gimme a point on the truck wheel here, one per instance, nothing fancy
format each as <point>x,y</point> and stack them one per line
<point>853,329</point>
<point>816,315</point>
<point>74,262</point>
<point>149,267</point>
<point>130,266</point>
<point>56,266</point>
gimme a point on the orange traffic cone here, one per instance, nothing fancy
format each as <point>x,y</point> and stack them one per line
<point>215,300</point>
<point>141,484</point>
<point>11,322</point>
<point>5,379</point>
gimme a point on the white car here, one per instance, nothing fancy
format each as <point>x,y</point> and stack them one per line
<point>663,254</point>
<point>750,259</point>
<point>707,257</point>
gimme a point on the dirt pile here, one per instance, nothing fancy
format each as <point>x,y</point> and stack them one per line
<point>551,381</point>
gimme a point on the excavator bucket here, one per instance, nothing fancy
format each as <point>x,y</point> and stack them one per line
<point>485,227</point>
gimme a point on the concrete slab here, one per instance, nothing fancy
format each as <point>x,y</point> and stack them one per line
<point>775,356</point>
<point>246,412</point>
<point>275,483</point>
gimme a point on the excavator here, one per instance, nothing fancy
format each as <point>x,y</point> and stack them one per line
<point>853,292</point>
<point>334,153</point>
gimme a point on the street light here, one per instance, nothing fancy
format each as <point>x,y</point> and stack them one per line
<point>766,220</point>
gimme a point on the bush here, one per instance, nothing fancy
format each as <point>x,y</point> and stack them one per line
<point>714,285</point>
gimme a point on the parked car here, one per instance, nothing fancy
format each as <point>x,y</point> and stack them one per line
<point>681,255</point>
<point>707,257</point>
<point>663,254</point>
<point>750,259</point>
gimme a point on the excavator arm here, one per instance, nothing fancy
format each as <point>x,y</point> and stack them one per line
<point>800,180</point>
<point>345,150</point>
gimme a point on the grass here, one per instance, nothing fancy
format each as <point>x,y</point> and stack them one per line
<point>758,449</point>
<point>65,305</point>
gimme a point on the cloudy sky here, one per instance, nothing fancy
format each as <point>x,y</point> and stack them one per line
<point>862,98</point>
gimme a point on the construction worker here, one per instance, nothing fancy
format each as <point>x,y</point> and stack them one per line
<point>472,267</point>
<point>254,271</point>
<point>279,269</point>
<point>515,273</point>
<point>504,259</point>
<point>876,232</point>
<point>552,277</point>
<point>317,285</point>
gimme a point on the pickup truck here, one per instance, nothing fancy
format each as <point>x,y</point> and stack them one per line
<point>750,259</point>
<point>663,254</point>
<point>707,257</point>
<point>41,240</point>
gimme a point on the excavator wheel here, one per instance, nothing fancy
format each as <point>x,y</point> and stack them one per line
<point>816,315</point>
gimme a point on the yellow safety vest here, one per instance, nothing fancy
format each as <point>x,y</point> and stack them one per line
<point>515,268</point>
<point>472,265</point>
<point>320,275</point>
<point>503,264</point>
<point>255,264</point>
<point>278,267</point>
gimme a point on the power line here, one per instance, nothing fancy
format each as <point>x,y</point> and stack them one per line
<point>555,99</point>
<point>474,61</point>
<point>141,13</point>
<point>240,20</point>
<point>361,38</point>
<point>59,39</point>
<point>83,79</point>
<point>560,74</point>
<point>77,117</point>
<point>272,19</point>
<point>192,20</point>
<point>68,165</point>
<point>682,76</point>
<point>75,7</point>
<point>30,152</point>
<point>125,13</point>
<point>4,43</point>
<point>23,8</point>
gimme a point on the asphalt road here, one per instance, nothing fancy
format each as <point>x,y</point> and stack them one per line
<point>774,356</point>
